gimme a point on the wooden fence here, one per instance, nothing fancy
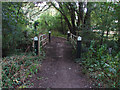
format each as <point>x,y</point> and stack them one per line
<point>76,42</point>
<point>73,39</point>
<point>42,40</point>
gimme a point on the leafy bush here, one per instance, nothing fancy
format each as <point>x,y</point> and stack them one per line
<point>102,66</point>
<point>13,25</point>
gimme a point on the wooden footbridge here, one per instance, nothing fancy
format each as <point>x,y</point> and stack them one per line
<point>42,39</point>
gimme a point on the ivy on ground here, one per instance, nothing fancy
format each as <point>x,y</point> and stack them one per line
<point>16,69</point>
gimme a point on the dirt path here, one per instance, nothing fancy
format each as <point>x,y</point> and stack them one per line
<point>58,69</point>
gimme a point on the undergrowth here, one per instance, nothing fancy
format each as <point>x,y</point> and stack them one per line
<point>16,69</point>
<point>102,66</point>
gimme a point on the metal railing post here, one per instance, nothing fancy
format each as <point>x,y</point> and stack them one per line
<point>68,35</point>
<point>79,47</point>
<point>49,36</point>
<point>36,45</point>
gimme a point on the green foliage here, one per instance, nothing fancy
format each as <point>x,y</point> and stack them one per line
<point>49,21</point>
<point>16,69</point>
<point>102,66</point>
<point>58,34</point>
<point>17,32</point>
<point>104,18</point>
<point>14,28</point>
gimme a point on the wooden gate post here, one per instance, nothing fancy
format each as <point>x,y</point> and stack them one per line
<point>36,45</point>
<point>68,35</point>
<point>49,36</point>
<point>79,47</point>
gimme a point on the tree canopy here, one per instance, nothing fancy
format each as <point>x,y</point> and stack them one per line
<point>98,23</point>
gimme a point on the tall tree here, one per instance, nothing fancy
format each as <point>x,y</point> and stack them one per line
<point>75,15</point>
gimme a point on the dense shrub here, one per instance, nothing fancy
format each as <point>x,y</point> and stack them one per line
<point>102,65</point>
<point>15,28</point>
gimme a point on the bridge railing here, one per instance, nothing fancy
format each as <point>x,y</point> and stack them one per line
<point>73,39</point>
<point>76,42</point>
<point>40,41</point>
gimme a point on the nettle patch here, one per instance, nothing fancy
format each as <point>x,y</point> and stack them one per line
<point>16,69</point>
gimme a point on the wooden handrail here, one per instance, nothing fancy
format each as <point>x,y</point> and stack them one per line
<point>42,41</point>
<point>73,39</point>
<point>76,42</point>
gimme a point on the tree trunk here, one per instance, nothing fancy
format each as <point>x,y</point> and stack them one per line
<point>87,23</point>
<point>62,25</point>
<point>118,10</point>
<point>72,15</point>
<point>107,33</point>
<point>73,23</point>
<point>101,42</point>
<point>81,13</point>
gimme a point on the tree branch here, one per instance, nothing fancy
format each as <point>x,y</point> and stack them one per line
<point>62,12</point>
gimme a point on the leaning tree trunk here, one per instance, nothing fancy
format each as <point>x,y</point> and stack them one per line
<point>86,26</point>
<point>107,33</point>
<point>72,10</point>
<point>62,25</point>
<point>87,19</point>
<point>101,42</point>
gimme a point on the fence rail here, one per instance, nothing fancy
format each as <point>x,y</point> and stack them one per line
<point>43,39</point>
<point>76,42</point>
<point>39,42</point>
<point>73,39</point>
